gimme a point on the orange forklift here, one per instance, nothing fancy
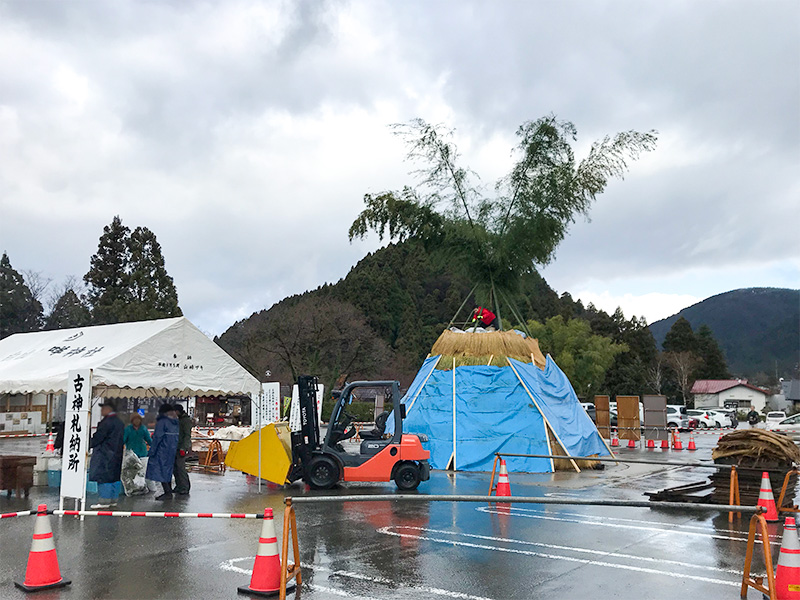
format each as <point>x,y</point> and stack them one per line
<point>324,463</point>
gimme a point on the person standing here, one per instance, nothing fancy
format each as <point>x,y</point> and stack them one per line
<point>105,466</point>
<point>182,483</point>
<point>753,418</point>
<point>137,439</point>
<point>161,457</point>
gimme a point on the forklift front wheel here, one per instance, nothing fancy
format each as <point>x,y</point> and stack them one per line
<point>323,473</point>
<point>407,476</point>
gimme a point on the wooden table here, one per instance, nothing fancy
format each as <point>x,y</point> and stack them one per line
<point>16,473</point>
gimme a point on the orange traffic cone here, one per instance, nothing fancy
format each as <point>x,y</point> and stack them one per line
<point>631,444</point>
<point>692,445</point>
<point>676,442</point>
<point>787,575</point>
<point>614,439</point>
<point>51,444</point>
<point>766,500</point>
<point>503,484</point>
<point>266,578</point>
<point>665,444</point>
<point>42,572</point>
<point>651,445</point>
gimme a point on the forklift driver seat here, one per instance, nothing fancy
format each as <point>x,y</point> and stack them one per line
<point>380,428</point>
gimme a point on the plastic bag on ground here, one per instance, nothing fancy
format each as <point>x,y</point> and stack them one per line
<point>133,475</point>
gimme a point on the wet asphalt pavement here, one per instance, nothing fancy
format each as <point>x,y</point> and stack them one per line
<point>386,550</point>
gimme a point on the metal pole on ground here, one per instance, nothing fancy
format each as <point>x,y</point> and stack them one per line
<point>417,498</point>
<point>618,459</point>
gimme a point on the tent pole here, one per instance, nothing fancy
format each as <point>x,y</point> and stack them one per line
<point>260,406</point>
<point>454,415</point>
<point>558,439</point>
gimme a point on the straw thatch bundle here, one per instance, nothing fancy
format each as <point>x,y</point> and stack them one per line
<point>479,348</point>
<point>566,465</point>
<point>753,445</point>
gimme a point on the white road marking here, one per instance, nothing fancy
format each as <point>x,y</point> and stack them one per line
<point>598,563</point>
<point>334,592</point>
<point>512,513</point>
<point>566,548</point>
<point>622,519</point>
<point>229,565</point>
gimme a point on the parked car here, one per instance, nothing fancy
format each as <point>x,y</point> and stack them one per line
<point>790,426</point>
<point>723,418</point>
<point>676,417</point>
<point>590,410</point>
<point>704,418</point>
<point>731,412</point>
<point>775,418</point>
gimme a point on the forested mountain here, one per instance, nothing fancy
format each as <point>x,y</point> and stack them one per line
<point>383,317</point>
<point>757,329</point>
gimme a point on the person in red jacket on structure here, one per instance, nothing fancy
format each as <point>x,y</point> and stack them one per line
<point>483,317</point>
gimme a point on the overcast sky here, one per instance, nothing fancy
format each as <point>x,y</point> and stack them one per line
<point>245,134</point>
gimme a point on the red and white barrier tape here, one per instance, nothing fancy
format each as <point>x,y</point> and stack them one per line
<point>19,435</point>
<point>20,513</point>
<point>178,515</point>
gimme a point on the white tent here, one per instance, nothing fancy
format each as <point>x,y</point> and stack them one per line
<point>165,357</point>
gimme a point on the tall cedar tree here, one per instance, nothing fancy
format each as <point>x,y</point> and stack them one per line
<point>70,310</point>
<point>127,279</point>
<point>713,364</point>
<point>152,290</point>
<point>680,337</point>
<point>494,240</point>
<point>108,278</point>
<point>19,310</point>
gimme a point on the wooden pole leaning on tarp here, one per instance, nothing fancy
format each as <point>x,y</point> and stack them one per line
<point>547,423</point>
<point>424,383</point>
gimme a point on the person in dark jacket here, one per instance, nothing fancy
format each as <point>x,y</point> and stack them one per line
<point>162,451</point>
<point>106,464</point>
<point>182,483</point>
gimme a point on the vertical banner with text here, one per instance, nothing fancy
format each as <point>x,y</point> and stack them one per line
<point>267,406</point>
<point>76,434</point>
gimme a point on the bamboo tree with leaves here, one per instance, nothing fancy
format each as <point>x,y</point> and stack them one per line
<point>495,238</point>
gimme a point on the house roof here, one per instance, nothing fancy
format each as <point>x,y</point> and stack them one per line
<point>715,386</point>
<point>791,389</point>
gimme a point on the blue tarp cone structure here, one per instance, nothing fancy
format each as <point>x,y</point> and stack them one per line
<point>470,412</point>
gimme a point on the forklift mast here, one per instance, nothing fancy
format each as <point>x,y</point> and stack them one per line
<point>305,441</point>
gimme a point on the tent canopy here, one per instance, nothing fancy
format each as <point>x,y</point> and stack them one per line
<point>489,409</point>
<point>168,357</point>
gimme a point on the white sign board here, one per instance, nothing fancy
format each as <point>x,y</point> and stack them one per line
<point>76,434</point>
<point>294,413</point>
<point>266,408</point>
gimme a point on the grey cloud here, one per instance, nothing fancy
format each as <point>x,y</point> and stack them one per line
<point>214,125</point>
